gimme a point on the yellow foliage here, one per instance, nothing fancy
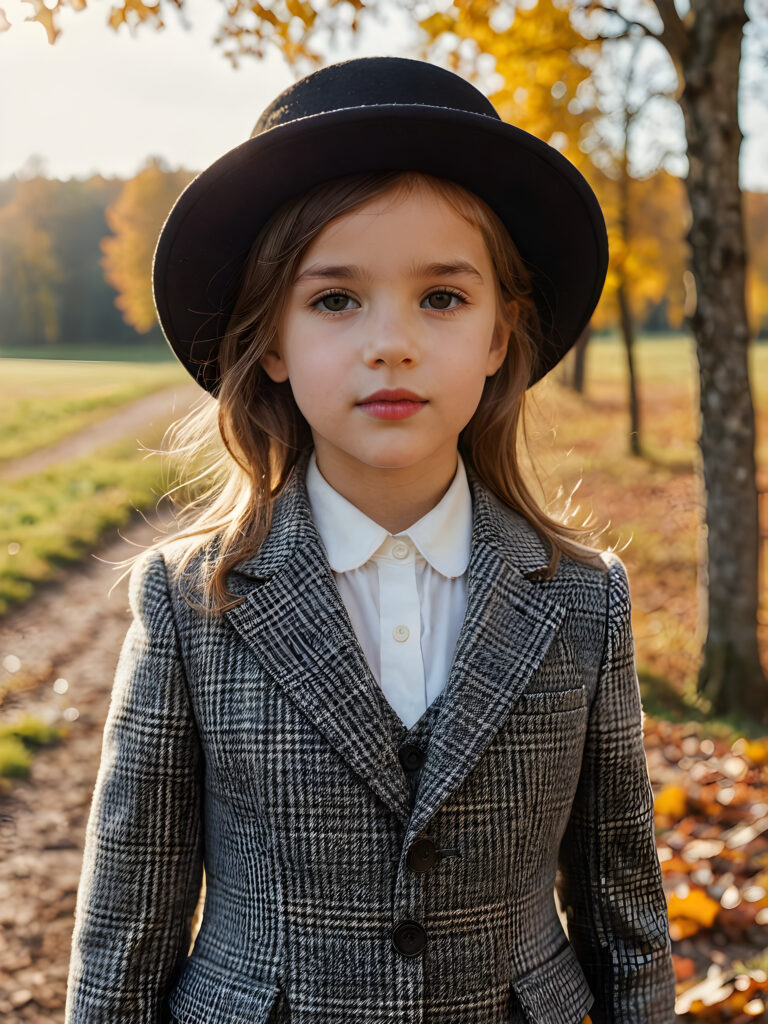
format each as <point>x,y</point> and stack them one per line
<point>756,226</point>
<point>545,66</point>
<point>671,801</point>
<point>438,24</point>
<point>302,10</point>
<point>648,250</point>
<point>536,53</point>
<point>242,23</point>
<point>695,906</point>
<point>757,751</point>
<point>135,218</point>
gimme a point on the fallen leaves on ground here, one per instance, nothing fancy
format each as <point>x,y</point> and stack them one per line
<point>711,812</point>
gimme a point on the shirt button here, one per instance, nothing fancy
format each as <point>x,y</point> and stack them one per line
<point>401,633</point>
<point>400,550</point>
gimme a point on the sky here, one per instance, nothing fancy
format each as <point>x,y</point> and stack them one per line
<point>100,101</point>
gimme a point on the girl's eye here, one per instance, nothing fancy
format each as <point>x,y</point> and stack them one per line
<point>444,297</point>
<point>335,302</point>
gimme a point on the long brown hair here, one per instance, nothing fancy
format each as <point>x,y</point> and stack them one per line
<point>251,436</point>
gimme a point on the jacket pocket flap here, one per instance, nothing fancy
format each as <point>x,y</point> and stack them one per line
<point>548,702</point>
<point>206,993</point>
<point>555,992</point>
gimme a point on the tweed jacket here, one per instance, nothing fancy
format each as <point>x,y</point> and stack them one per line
<point>256,744</point>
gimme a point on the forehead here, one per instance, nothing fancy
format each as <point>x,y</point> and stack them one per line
<point>401,227</point>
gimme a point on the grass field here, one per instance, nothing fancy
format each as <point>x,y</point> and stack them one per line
<point>58,516</point>
<point>152,352</point>
<point>47,400</point>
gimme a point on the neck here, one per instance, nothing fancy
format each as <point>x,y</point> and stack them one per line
<point>393,498</point>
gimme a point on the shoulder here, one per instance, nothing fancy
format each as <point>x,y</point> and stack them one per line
<point>595,586</point>
<point>148,589</point>
<point>606,568</point>
<point>148,579</point>
<point>604,578</point>
<point>586,580</point>
<point>158,576</point>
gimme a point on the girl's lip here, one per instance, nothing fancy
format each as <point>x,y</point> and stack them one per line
<point>391,410</point>
<point>392,395</point>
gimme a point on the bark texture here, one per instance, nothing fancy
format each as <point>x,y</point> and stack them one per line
<point>628,334</point>
<point>731,675</point>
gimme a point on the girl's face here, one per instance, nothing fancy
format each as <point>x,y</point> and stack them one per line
<point>399,293</point>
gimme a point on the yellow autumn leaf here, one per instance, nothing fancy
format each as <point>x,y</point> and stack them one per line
<point>671,801</point>
<point>757,752</point>
<point>695,906</point>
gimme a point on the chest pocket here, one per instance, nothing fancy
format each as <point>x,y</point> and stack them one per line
<point>550,702</point>
<point>206,993</point>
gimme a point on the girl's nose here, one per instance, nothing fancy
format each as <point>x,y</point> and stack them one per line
<point>391,340</point>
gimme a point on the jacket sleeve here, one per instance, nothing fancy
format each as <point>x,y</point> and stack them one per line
<point>143,858</point>
<point>609,882</point>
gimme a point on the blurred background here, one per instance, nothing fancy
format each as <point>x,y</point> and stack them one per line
<point>654,425</point>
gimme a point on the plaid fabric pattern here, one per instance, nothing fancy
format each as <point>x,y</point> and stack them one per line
<point>259,744</point>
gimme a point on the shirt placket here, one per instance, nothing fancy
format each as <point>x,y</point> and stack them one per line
<point>402,665</point>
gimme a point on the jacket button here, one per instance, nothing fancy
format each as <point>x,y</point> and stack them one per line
<point>411,757</point>
<point>409,938</point>
<point>422,855</point>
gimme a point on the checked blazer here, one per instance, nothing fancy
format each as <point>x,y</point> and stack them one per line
<point>346,883</point>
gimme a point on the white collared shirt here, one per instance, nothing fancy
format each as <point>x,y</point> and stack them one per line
<point>406,593</point>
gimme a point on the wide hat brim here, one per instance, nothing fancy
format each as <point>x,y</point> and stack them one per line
<point>548,207</point>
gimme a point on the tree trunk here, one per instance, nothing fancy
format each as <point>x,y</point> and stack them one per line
<point>625,307</point>
<point>579,359</point>
<point>628,333</point>
<point>731,676</point>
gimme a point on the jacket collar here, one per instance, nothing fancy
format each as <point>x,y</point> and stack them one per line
<point>296,625</point>
<point>494,524</point>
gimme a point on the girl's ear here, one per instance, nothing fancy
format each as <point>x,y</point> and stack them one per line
<point>500,340</point>
<point>274,366</point>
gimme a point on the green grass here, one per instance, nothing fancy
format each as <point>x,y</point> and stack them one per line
<point>153,352</point>
<point>15,758</point>
<point>48,400</point>
<point>18,741</point>
<point>56,517</point>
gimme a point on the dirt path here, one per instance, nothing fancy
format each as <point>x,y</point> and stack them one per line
<point>64,634</point>
<point>161,407</point>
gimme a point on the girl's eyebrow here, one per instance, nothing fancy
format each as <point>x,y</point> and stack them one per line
<point>451,269</point>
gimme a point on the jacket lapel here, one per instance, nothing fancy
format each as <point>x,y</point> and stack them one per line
<point>509,625</point>
<point>296,624</point>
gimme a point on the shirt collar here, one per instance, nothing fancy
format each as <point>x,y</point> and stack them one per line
<point>443,536</point>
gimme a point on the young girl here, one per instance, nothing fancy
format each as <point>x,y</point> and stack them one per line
<point>385,701</point>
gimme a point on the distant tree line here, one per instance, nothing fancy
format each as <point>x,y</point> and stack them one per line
<point>55,286</point>
<point>76,256</point>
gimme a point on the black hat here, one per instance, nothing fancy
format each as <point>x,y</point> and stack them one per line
<point>369,114</point>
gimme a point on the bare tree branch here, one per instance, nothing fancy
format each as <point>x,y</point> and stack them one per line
<point>635,110</point>
<point>674,35</point>
<point>630,26</point>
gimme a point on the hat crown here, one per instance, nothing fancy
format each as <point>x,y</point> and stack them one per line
<point>366,81</point>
